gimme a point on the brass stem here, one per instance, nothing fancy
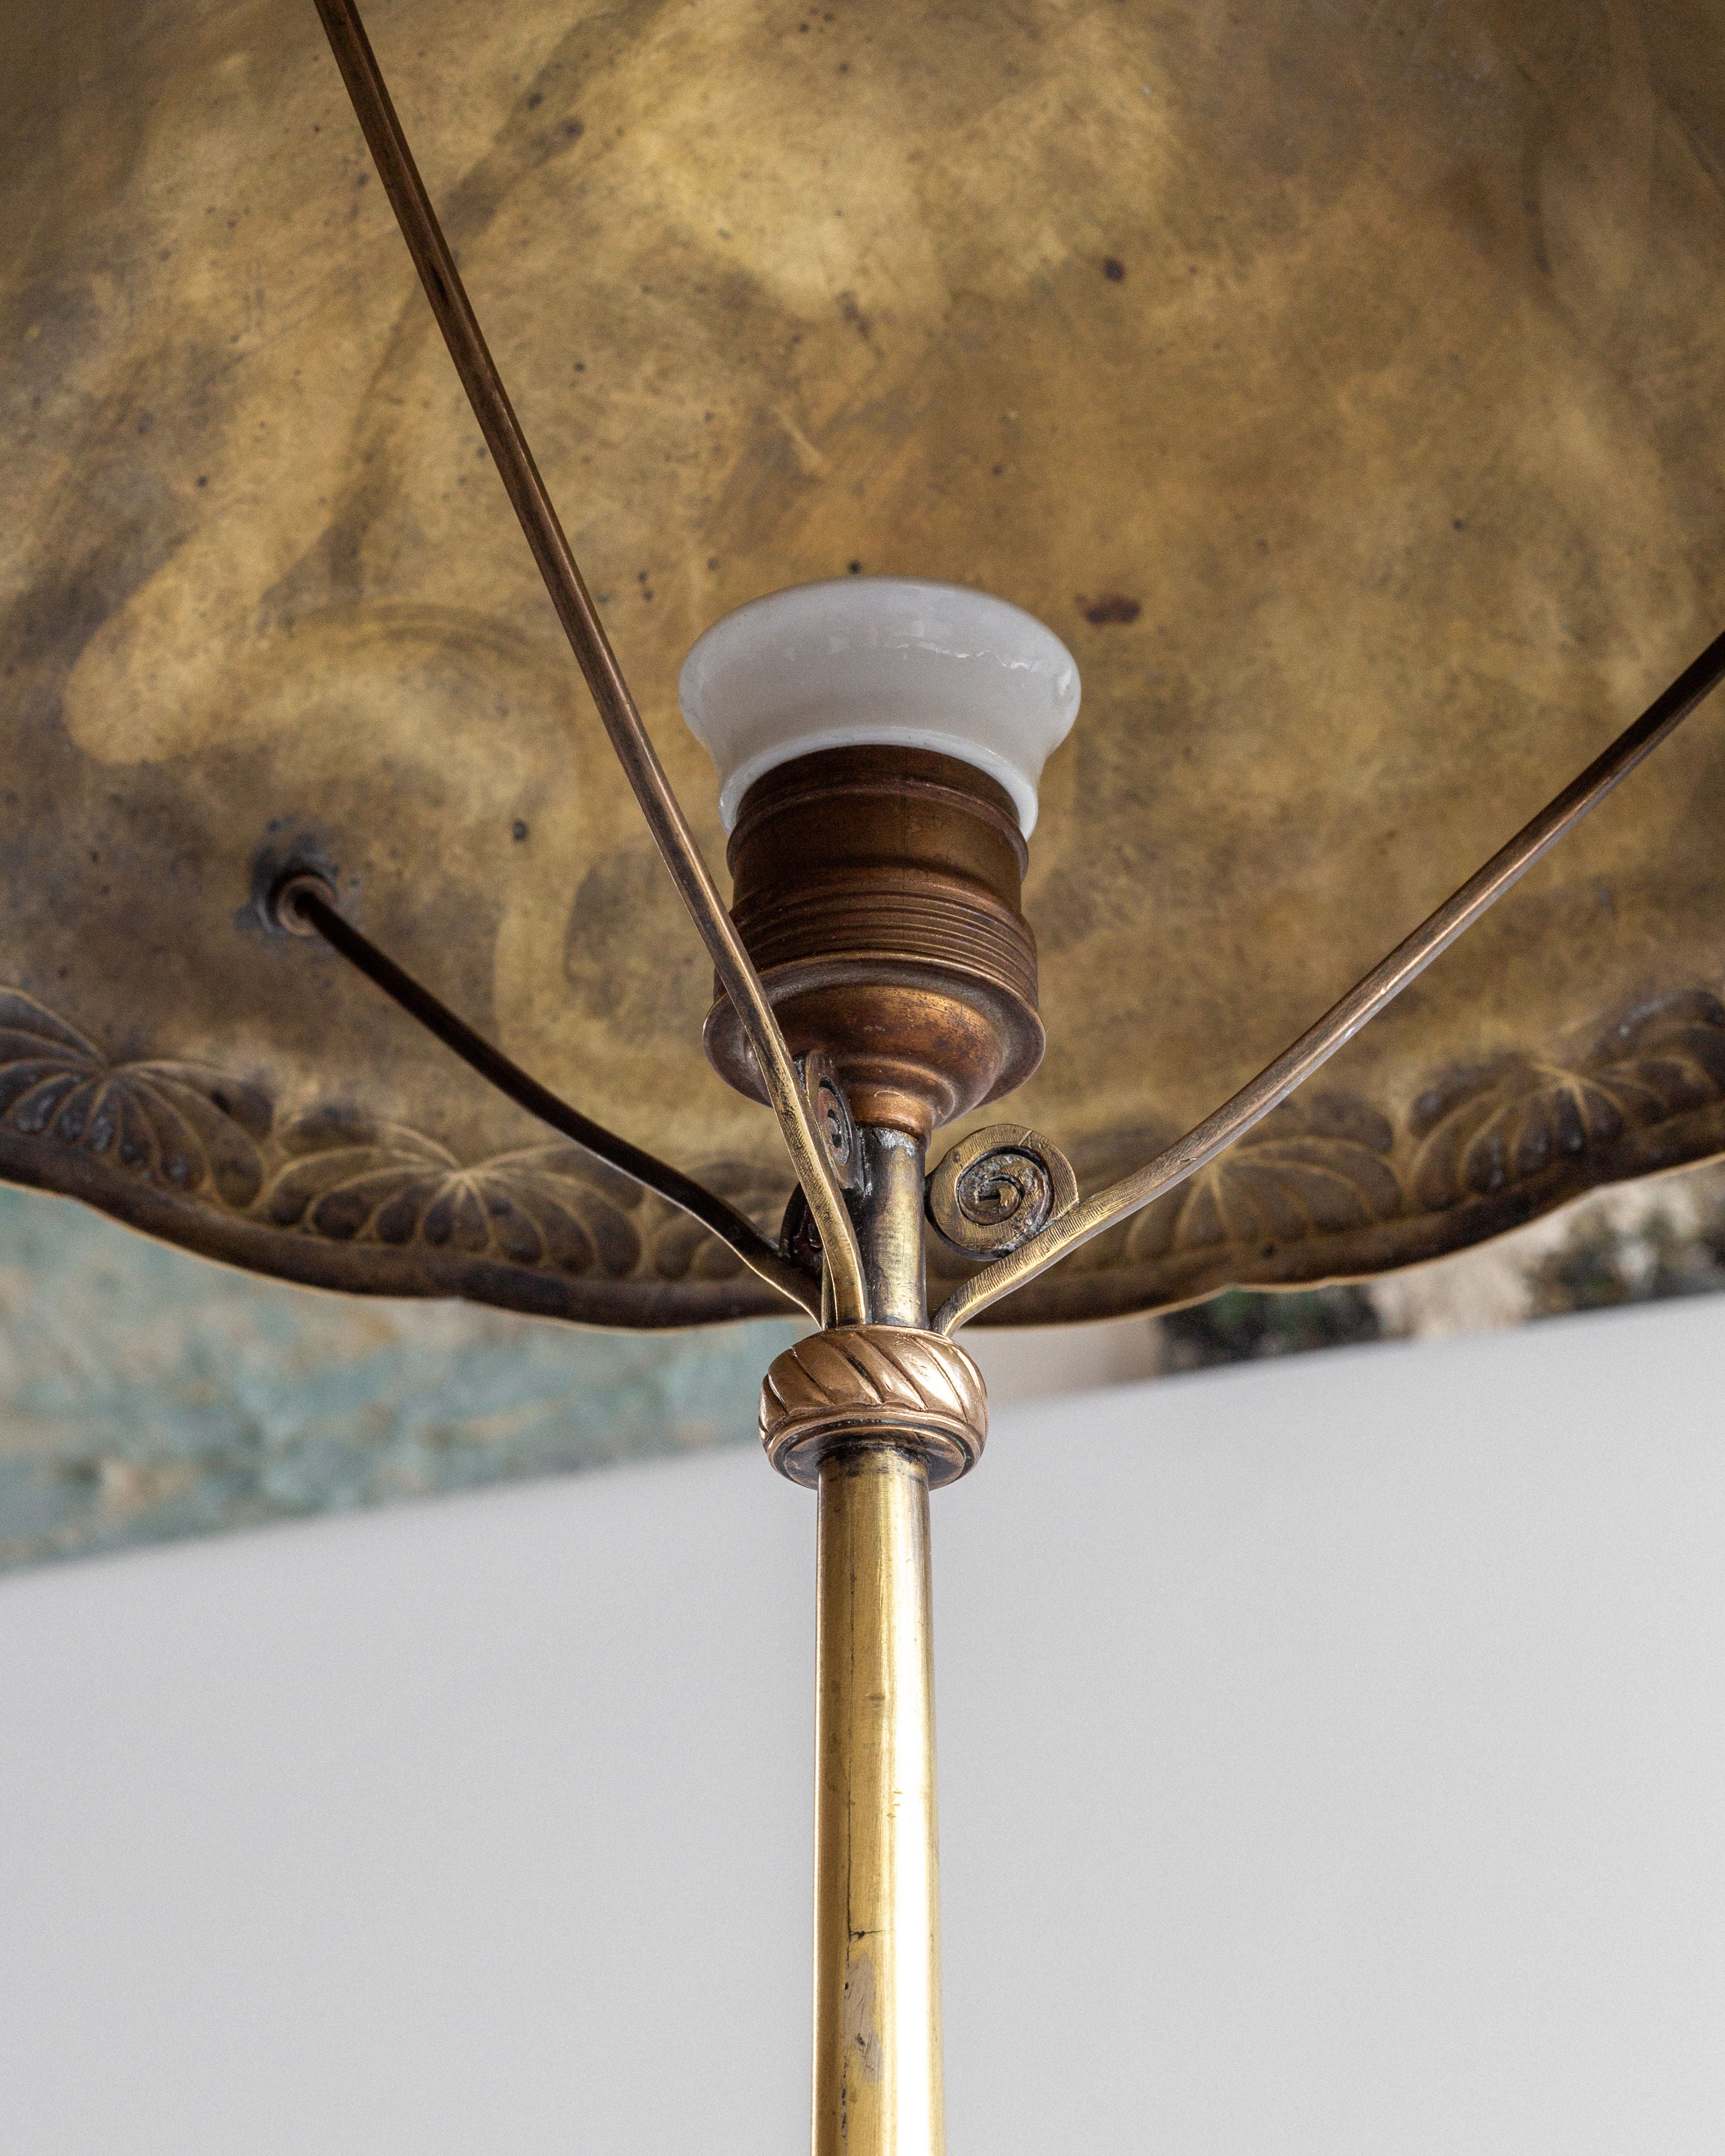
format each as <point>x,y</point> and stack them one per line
<point>877,2037</point>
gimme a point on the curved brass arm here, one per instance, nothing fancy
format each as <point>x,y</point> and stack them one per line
<point>1339,1025</point>
<point>303,904</point>
<point>575,609</point>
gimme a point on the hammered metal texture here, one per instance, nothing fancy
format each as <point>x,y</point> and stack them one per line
<point>1346,385</point>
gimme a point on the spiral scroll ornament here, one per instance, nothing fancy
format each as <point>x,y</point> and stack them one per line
<point>887,1383</point>
<point>998,1187</point>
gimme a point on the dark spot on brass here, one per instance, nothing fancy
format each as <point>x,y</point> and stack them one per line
<point>855,568</point>
<point>1114,271</point>
<point>518,830</point>
<point>1112,606</point>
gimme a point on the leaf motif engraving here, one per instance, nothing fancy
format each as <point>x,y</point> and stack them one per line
<point>1485,1129</point>
<point>1317,1166</point>
<point>542,1206</point>
<point>1321,1189</point>
<point>181,1125</point>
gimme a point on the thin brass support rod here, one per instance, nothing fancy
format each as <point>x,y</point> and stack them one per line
<point>575,609</point>
<point>303,902</point>
<point>1362,1002</point>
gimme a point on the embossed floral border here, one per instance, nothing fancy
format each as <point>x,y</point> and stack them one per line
<point>1327,1188</point>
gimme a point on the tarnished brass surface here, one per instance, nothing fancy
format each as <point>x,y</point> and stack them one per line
<point>507,444</point>
<point>891,1229</point>
<point>1374,992</point>
<point>1344,387</point>
<point>305,906</point>
<point>997,1188</point>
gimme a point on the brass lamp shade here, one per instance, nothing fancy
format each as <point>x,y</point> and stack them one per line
<point>1345,386</point>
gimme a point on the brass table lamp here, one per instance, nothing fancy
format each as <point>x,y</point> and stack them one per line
<point>1343,398</point>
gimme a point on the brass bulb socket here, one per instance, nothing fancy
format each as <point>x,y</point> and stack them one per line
<point>877,890</point>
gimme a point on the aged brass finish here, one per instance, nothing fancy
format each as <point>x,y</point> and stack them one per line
<point>877,2002</point>
<point>889,1225</point>
<point>999,1187</point>
<point>835,1121</point>
<point>874,1416</point>
<point>877,890</point>
<point>1361,1003</point>
<point>1371,491</point>
<point>581,624</point>
<point>305,906</point>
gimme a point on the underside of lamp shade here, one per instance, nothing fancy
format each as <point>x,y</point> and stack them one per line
<point>1351,406</point>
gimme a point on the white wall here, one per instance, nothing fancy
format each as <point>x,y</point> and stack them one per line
<point>1331,1763</point>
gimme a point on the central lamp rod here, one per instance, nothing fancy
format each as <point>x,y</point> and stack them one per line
<point>878,2082</point>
